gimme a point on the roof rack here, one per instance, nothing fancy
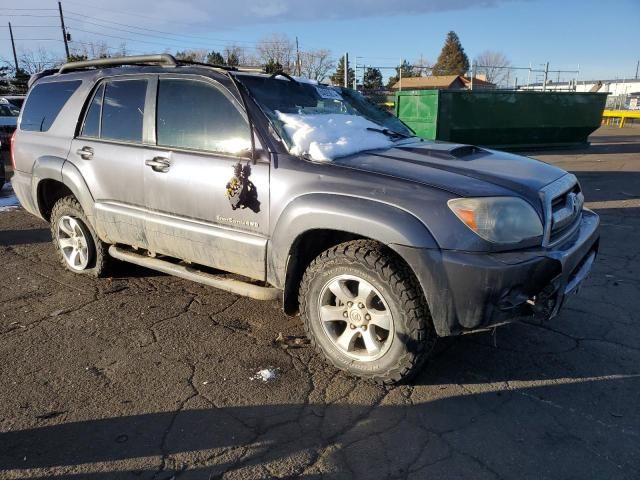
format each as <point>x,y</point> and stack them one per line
<point>228,68</point>
<point>163,59</point>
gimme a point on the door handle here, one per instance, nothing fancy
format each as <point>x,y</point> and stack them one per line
<point>86,153</point>
<point>158,164</point>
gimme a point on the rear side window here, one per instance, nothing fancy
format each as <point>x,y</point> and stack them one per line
<point>123,110</point>
<point>44,104</point>
<point>196,115</point>
<point>91,126</point>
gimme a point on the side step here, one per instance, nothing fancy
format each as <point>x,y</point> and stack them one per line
<point>227,284</point>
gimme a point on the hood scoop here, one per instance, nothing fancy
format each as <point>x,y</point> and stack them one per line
<point>459,152</point>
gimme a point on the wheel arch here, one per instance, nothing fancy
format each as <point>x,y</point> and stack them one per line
<point>316,222</point>
<point>55,178</point>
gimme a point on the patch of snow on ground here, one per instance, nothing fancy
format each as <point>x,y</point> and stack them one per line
<point>8,199</point>
<point>329,136</point>
<point>266,374</point>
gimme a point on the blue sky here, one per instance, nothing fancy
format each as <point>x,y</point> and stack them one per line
<point>598,37</point>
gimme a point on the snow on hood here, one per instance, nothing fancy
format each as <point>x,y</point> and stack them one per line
<point>329,136</point>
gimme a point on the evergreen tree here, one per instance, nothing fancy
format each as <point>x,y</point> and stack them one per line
<point>452,59</point>
<point>272,66</point>
<point>372,79</point>
<point>20,81</point>
<point>5,80</point>
<point>77,57</point>
<point>407,71</point>
<point>233,60</point>
<point>338,77</point>
<point>215,58</point>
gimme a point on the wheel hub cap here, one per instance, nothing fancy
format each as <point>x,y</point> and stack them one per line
<point>356,317</point>
<point>73,243</point>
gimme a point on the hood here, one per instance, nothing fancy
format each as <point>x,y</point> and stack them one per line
<point>464,170</point>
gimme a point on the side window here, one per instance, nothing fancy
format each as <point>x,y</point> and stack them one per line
<point>123,110</point>
<point>91,127</point>
<point>44,104</point>
<point>195,115</point>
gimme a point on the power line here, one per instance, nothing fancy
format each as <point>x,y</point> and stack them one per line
<point>27,15</point>
<point>137,28</point>
<point>129,31</point>
<point>31,9</point>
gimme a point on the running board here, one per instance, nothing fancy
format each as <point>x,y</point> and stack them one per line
<point>227,284</point>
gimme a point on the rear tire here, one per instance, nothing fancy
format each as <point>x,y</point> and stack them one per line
<point>77,245</point>
<point>377,324</point>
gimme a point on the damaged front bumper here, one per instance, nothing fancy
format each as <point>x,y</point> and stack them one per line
<point>471,291</point>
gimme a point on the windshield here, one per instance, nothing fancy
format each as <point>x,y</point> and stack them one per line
<point>322,122</point>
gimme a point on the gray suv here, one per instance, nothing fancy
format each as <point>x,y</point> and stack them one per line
<point>274,187</point>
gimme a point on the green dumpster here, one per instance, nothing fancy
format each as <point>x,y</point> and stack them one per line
<point>502,119</point>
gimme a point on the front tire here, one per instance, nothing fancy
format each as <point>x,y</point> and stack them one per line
<point>77,245</point>
<point>364,310</point>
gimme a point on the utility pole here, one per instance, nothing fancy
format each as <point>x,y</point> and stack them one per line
<point>64,31</point>
<point>298,58</point>
<point>13,46</point>
<point>473,72</point>
<point>400,76</point>
<point>637,68</point>
<point>546,75</point>
<point>346,70</point>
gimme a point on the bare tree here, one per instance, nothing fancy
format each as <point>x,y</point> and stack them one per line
<point>97,50</point>
<point>193,55</point>
<point>277,48</point>
<point>235,53</point>
<point>34,61</point>
<point>422,67</point>
<point>495,65</point>
<point>316,64</point>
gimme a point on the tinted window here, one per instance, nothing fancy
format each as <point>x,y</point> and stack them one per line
<point>44,104</point>
<point>123,110</point>
<point>91,126</point>
<point>197,115</point>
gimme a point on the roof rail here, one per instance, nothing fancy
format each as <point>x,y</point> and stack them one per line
<point>163,59</point>
<point>228,68</point>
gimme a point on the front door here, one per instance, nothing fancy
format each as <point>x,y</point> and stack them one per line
<point>208,203</point>
<point>110,155</point>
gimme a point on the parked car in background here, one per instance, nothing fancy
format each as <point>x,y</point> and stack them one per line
<point>306,192</point>
<point>16,100</point>
<point>8,121</point>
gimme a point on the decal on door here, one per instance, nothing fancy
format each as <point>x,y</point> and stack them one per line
<point>241,191</point>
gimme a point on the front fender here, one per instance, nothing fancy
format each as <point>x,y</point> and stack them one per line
<point>379,221</point>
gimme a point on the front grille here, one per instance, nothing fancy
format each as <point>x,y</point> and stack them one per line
<point>563,201</point>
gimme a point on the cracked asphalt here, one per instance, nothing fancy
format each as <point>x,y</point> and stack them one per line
<point>145,376</point>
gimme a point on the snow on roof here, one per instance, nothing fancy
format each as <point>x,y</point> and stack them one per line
<point>329,136</point>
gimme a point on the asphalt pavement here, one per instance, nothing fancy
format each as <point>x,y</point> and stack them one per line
<point>143,375</point>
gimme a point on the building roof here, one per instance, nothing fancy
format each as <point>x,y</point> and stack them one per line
<point>438,82</point>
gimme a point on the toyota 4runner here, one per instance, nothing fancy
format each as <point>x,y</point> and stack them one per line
<point>305,192</point>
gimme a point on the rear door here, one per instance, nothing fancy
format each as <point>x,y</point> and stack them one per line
<point>208,202</point>
<point>109,152</point>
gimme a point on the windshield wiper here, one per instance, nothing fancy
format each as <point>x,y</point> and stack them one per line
<point>389,133</point>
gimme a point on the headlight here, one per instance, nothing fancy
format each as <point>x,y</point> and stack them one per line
<point>498,219</point>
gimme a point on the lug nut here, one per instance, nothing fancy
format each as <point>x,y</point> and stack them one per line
<point>367,317</point>
<point>349,304</point>
<point>352,326</point>
<point>361,305</point>
<point>364,327</point>
<point>345,314</point>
